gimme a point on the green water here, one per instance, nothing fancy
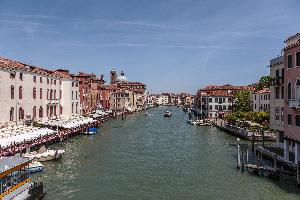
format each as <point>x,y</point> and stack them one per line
<point>152,157</point>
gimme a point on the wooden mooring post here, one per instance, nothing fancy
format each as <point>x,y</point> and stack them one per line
<point>298,174</point>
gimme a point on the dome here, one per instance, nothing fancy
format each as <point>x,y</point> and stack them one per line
<point>122,79</point>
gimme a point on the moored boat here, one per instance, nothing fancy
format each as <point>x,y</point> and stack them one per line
<point>44,154</point>
<point>35,167</point>
<point>15,181</point>
<point>168,114</point>
<point>90,131</point>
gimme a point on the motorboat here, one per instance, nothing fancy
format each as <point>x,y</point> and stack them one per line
<point>44,154</point>
<point>168,114</point>
<point>35,167</point>
<point>90,131</point>
<point>193,122</point>
<point>204,123</point>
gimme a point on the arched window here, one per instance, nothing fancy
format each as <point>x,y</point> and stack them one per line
<point>289,90</point>
<point>12,92</point>
<point>47,111</point>
<point>51,94</point>
<point>20,92</point>
<point>41,93</point>
<point>72,107</point>
<point>47,93</point>
<point>76,107</point>
<point>21,113</point>
<point>59,94</point>
<point>34,93</point>
<point>34,111</point>
<point>11,114</point>
<point>61,109</point>
<point>54,94</point>
<point>41,112</point>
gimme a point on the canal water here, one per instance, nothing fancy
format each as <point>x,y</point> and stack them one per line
<point>152,157</point>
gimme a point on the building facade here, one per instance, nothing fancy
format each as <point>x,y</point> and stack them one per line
<point>277,98</point>
<point>261,100</point>
<point>33,93</point>
<point>292,96</point>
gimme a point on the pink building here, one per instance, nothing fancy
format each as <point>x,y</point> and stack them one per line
<point>292,96</point>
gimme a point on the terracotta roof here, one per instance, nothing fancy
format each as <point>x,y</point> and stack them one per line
<point>14,65</point>
<point>263,91</point>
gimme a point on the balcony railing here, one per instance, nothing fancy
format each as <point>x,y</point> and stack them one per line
<point>52,101</point>
<point>294,103</point>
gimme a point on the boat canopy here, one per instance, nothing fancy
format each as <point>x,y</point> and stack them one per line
<point>92,129</point>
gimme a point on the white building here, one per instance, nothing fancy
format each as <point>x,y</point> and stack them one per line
<point>261,100</point>
<point>216,104</point>
<point>277,98</point>
<point>162,100</point>
<point>35,93</point>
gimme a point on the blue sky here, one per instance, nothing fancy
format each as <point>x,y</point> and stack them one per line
<point>171,45</point>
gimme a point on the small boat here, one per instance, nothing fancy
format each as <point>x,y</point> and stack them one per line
<point>90,131</point>
<point>192,122</point>
<point>35,167</point>
<point>204,123</point>
<point>44,154</point>
<point>168,114</point>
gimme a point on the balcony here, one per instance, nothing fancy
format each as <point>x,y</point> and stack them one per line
<point>52,101</point>
<point>294,103</point>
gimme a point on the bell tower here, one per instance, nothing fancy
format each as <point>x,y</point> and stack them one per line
<point>113,76</point>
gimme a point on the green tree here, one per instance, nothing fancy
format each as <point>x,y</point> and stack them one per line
<point>264,82</point>
<point>242,101</point>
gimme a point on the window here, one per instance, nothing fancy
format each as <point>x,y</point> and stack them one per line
<point>20,92</point>
<point>76,95</point>
<point>282,92</point>
<point>21,76</point>
<point>59,94</point>
<point>54,82</point>
<point>54,94</point>
<point>41,79</point>
<point>229,99</point>
<point>41,93</point>
<point>51,81</point>
<point>76,107</point>
<point>21,113</point>
<point>216,107</point>
<point>289,119</point>
<point>216,100</point>
<point>72,95</point>
<point>224,107</point>
<point>282,74</point>
<point>297,120</point>
<point>72,107</point>
<point>34,79</point>
<point>51,94</point>
<point>277,92</point>
<point>297,95</point>
<point>61,109</point>
<point>290,61</point>
<point>255,97</point>
<point>298,59</point>
<point>60,82</point>
<point>277,73</point>
<point>12,74</point>
<point>47,80</point>
<point>276,113</point>
<point>47,93</point>
<point>34,93</point>
<point>12,92</point>
<point>41,112</point>
<point>34,111</point>
<point>210,100</point>
<point>11,114</point>
<point>289,90</point>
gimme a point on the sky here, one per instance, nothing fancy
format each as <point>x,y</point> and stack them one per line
<point>170,45</point>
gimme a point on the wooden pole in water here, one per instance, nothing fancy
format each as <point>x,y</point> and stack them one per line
<point>298,174</point>
<point>243,156</point>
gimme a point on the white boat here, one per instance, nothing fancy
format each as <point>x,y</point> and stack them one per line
<point>35,166</point>
<point>44,154</point>
<point>193,122</point>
